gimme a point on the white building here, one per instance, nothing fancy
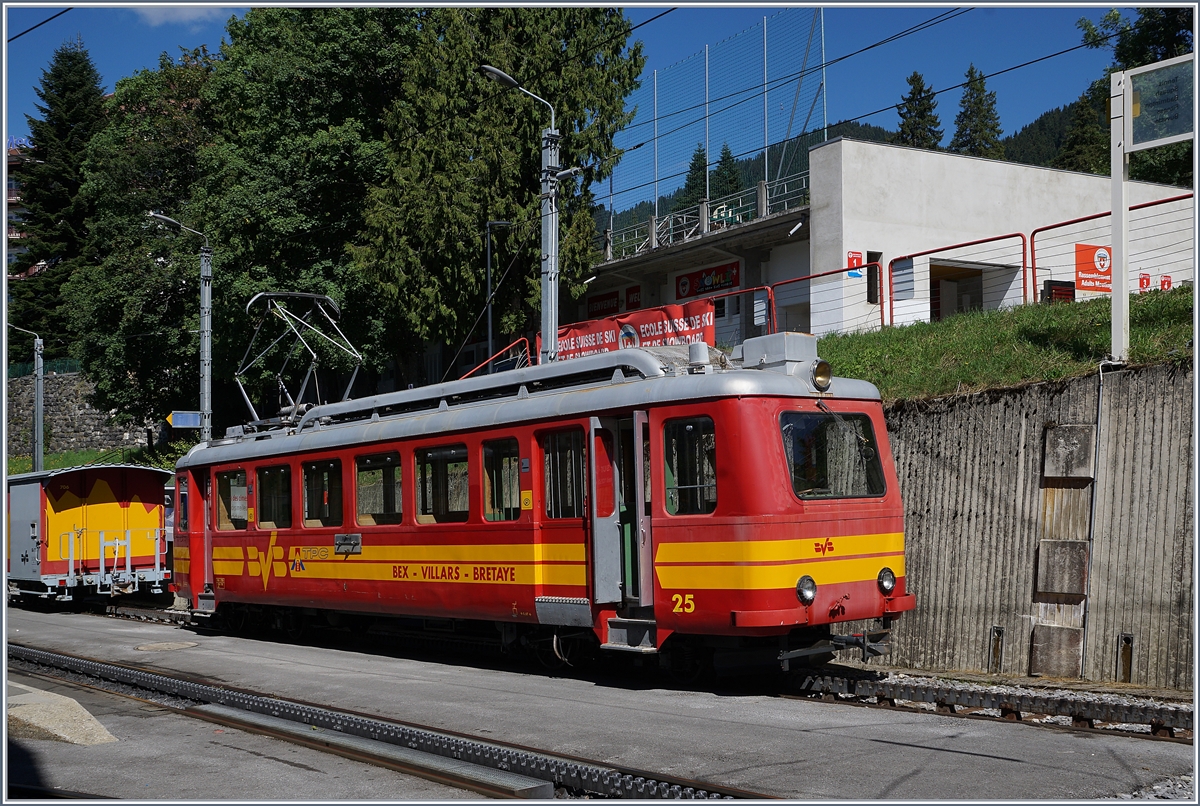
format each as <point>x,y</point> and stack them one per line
<point>910,211</point>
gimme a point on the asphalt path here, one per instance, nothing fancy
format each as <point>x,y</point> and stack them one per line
<point>795,749</point>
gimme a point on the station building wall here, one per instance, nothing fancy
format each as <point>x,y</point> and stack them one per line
<point>897,201</point>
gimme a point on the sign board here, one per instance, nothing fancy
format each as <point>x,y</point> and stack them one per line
<point>706,281</point>
<point>1162,104</point>
<point>633,297</point>
<point>184,419</point>
<point>668,324</point>
<point>1093,268</point>
<point>605,304</point>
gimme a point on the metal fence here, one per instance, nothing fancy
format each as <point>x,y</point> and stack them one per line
<point>59,366</point>
<point>761,92</point>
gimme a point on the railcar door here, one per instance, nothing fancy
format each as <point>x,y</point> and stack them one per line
<point>618,468</point>
<point>604,475</point>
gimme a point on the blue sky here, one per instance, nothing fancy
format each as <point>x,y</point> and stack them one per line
<point>123,40</point>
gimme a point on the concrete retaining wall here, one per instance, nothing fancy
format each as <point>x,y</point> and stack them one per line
<point>70,423</point>
<point>1016,568</point>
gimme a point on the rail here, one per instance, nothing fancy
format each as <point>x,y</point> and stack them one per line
<point>1033,235</point>
<point>501,352</point>
<point>844,270</point>
<point>1024,266</point>
<point>741,207</point>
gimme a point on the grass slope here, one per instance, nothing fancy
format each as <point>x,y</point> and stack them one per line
<point>985,349</point>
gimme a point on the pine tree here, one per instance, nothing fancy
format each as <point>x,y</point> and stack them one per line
<point>977,126</point>
<point>1085,146</point>
<point>726,179</point>
<point>920,126</point>
<point>693,189</point>
<point>72,111</point>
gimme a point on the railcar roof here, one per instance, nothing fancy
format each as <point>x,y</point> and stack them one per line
<point>39,475</point>
<point>779,366</point>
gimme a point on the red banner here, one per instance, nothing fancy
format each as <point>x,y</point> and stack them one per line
<point>669,324</point>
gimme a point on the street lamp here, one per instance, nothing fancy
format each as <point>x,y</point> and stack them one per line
<point>550,177</point>
<point>38,394</point>
<point>205,327</point>
<point>490,224</point>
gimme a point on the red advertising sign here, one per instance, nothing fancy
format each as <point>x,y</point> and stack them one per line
<point>1093,268</point>
<point>853,260</point>
<point>1143,282</point>
<point>633,297</point>
<point>668,324</point>
<point>705,281</point>
<point>605,304</point>
<point>1165,282</point>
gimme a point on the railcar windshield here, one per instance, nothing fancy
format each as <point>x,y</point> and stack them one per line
<point>831,455</point>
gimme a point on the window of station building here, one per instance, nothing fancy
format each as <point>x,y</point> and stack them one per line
<point>231,500</point>
<point>378,487</point>
<point>323,493</point>
<point>275,497</point>
<point>501,480</point>
<point>831,455</point>
<point>443,495</point>
<point>181,503</point>
<point>563,473</point>
<point>690,453</point>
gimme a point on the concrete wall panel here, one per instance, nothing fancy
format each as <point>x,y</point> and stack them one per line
<point>979,508</point>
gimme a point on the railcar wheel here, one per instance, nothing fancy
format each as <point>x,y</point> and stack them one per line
<point>687,664</point>
<point>554,652</point>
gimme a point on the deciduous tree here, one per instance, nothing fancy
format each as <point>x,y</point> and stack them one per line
<point>462,150</point>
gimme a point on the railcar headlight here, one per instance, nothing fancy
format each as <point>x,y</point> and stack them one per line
<point>822,374</point>
<point>806,590</point>
<point>887,581</point>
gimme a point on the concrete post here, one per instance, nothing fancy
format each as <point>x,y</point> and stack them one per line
<point>704,216</point>
<point>1119,171</point>
<point>550,168</point>
<point>205,343</point>
<point>762,199</point>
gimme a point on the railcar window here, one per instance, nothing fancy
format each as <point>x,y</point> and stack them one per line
<point>323,493</point>
<point>379,500</point>
<point>181,506</point>
<point>275,497</point>
<point>501,479</point>
<point>691,466</point>
<point>831,455</point>
<point>563,474</point>
<point>443,496</point>
<point>231,500</point>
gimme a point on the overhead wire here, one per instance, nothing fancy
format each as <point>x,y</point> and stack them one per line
<point>853,119</point>
<point>40,24</point>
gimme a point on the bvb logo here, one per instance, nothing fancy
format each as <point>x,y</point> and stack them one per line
<point>263,563</point>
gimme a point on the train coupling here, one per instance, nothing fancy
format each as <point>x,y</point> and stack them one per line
<point>872,644</point>
<point>206,605</point>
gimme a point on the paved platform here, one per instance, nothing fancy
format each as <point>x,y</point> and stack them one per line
<point>798,749</point>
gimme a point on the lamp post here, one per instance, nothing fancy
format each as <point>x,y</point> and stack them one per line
<point>490,224</point>
<point>550,176</point>
<point>38,394</point>
<point>205,327</point>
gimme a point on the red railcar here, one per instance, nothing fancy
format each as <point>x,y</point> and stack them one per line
<point>648,500</point>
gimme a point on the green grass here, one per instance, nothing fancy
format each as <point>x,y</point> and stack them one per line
<point>987,349</point>
<point>154,457</point>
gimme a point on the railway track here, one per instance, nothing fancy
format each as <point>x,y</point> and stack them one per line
<point>487,767</point>
<point>1077,709</point>
<point>1084,710</point>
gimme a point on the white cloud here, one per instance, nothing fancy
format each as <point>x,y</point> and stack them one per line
<point>179,14</point>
